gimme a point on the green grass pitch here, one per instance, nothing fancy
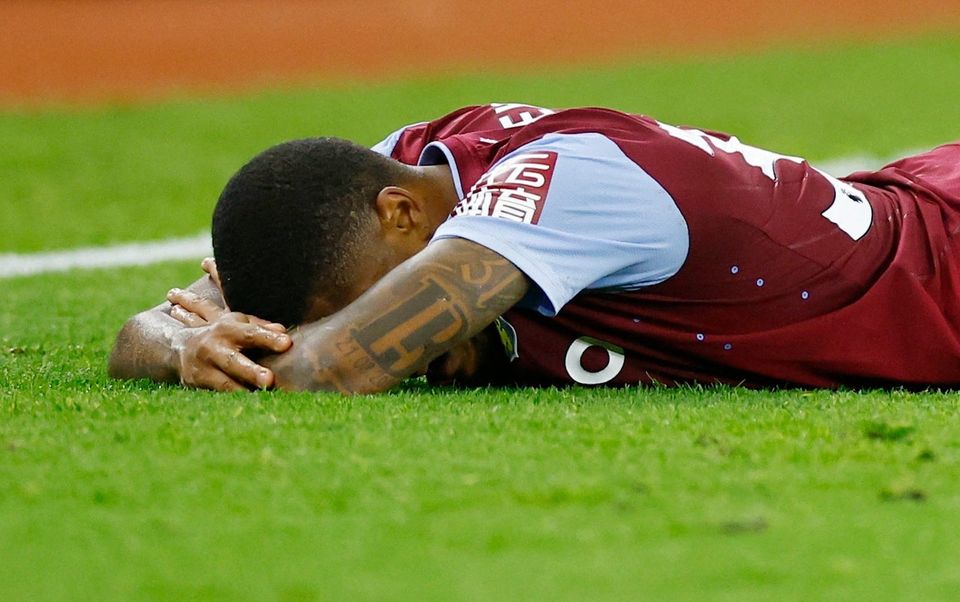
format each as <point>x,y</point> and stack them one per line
<point>136,491</point>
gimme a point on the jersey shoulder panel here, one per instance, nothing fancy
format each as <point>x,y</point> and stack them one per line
<point>388,145</point>
<point>574,213</point>
<point>493,121</point>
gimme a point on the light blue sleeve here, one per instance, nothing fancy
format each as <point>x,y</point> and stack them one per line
<point>595,220</point>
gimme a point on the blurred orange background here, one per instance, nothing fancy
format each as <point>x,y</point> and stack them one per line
<point>96,50</point>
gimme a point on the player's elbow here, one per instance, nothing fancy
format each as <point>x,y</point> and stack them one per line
<point>119,364</point>
<point>131,357</point>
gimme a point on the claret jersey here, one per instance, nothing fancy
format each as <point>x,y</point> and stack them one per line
<point>668,254</point>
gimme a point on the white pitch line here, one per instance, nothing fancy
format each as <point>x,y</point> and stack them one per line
<point>847,165</point>
<point>137,253</point>
<point>197,247</point>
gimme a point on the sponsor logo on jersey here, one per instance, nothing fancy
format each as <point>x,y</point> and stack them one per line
<point>515,189</point>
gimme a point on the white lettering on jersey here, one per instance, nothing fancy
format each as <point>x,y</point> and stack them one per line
<point>514,115</point>
<point>615,359</point>
<point>850,210</point>
<point>514,189</point>
<point>757,157</point>
<point>694,137</point>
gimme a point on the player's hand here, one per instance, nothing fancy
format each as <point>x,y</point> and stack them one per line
<point>193,310</point>
<point>475,362</point>
<point>212,356</point>
<point>209,265</point>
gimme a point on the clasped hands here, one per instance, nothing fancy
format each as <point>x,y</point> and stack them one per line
<point>211,351</point>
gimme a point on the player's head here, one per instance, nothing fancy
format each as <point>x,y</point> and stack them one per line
<point>310,220</point>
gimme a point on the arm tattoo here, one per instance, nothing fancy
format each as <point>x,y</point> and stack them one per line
<point>397,340</point>
<point>444,295</point>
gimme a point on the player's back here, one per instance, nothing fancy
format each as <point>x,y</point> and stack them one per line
<point>782,273</point>
<point>792,277</point>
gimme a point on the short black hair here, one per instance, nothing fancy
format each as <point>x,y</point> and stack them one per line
<point>286,221</point>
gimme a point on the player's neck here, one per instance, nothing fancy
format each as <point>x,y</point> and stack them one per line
<point>441,191</point>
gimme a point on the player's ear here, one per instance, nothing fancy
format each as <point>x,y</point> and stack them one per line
<point>399,210</point>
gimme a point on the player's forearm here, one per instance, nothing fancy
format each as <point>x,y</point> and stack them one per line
<point>328,360</point>
<point>147,347</point>
<point>436,300</point>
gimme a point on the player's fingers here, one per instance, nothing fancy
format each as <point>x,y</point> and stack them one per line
<point>209,265</point>
<point>204,376</point>
<point>186,317</point>
<point>205,308</point>
<point>242,369</point>
<point>219,381</point>
<point>241,317</point>
<point>228,385</point>
<point>248,335</point>
<point>274,326</point>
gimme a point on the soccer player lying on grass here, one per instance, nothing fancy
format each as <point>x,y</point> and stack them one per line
<point>513,244</point>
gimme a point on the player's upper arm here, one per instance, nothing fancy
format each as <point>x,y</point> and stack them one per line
<point>573,212</point>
